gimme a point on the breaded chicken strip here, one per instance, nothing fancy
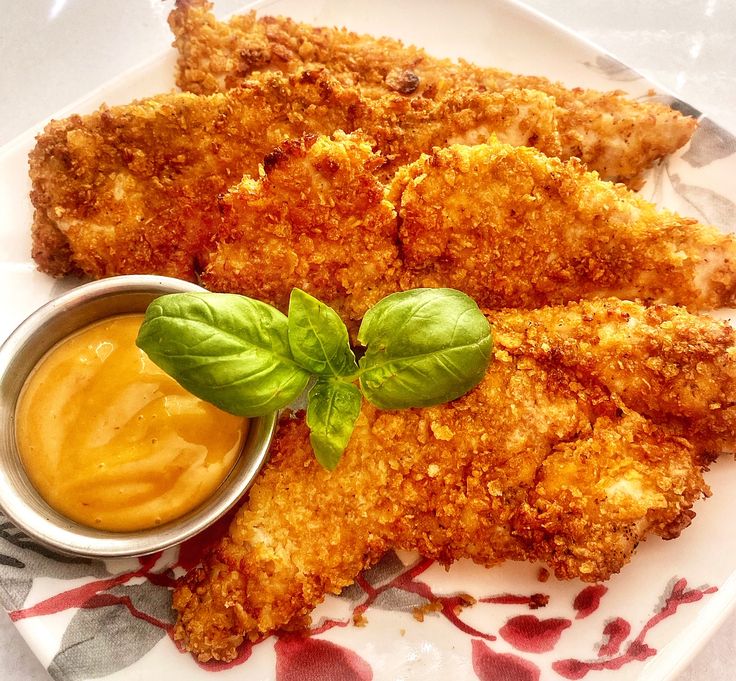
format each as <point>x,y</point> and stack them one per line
<point>538,231</point>
<point>547,459</point>
<point>317,220</point>
<point>507,225</point>
<point>674,368</point>
<point>617,136</point>
<point>133,189</point>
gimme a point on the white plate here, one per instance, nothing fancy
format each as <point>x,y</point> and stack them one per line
<point>121,627</point>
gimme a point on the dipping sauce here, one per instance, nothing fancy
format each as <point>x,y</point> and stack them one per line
<point>111,441</point>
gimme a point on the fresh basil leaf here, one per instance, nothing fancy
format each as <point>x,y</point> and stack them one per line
<point>226,349</point>
<point>318,337</point>
<point>424,347</point>
<point>332,411</point>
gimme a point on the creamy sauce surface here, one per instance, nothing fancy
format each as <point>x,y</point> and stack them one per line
<point>111,441</point>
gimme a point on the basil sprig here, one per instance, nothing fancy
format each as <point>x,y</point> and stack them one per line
<point>423,347</point>
<point>318,338</point>
<point>226,349</point>
<point>333,408</point>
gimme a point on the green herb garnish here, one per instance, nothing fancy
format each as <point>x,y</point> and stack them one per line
<point>332,410</point>
<point>318,338</point>
<point>423,347</point>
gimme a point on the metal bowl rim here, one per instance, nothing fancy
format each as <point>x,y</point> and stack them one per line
<point>70,537</point>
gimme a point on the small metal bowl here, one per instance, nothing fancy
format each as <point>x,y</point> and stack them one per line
<point>19,355</point>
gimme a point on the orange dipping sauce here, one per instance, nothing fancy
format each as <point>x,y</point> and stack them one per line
<point>111,441</point>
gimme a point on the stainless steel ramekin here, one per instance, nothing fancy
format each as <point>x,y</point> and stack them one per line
<point>19,355</point>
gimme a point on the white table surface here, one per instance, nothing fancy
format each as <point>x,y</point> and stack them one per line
<point>688,46</point>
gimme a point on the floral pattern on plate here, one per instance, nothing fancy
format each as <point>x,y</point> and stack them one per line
<point>89,619</point>
<point>129,612</point>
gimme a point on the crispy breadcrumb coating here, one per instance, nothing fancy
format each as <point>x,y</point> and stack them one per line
<point>554,457</point>
<point>134,188</point>
<point>676,369</point>
<point>617,136</point>
<point>506,225</point>
<point>317,220</point>
<point>538,231</point>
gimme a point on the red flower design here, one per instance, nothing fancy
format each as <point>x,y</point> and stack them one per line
<point>532,635</point>
<point>492,666</point>
<point>588,600</point>
<point>312,659</point>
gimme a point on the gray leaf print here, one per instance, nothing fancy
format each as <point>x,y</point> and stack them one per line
<point>398,599</point>
<point>14,589</point>
<point>150,599</point>
<point>385,570</point>
<point>709,143</point>
<point>102,640</point>
<point>612,68</point>
<point>18,552</point>
<point>684,108</point>
<point>352,593</point>
<point>712,208</point>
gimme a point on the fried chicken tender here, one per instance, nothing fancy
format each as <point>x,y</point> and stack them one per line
<point>676,369</point>
<point>134,188</point>
<point>617,136</point>
<point>316,220</point>
<point>538,231</point>
<point>555,456</point>
<point>506,225</point>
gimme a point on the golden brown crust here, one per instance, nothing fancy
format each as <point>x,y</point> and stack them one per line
<point>316,220</point>
<point>618,137</point>
<point>538,231</point>
<point>673,367</point>
<point>542,461</point>
<point>134,189</point>
<point>507,225</point>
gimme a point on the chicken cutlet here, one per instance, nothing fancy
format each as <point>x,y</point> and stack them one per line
<point>506,225</point>
<point>134,188</point>
<point>317,220</point>
<point>615,135</point>
<point>676,369</point>
<point>538,231</point>
<point>552,457</point>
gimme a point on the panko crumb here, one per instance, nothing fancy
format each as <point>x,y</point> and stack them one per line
<point>442,432</point>
<point>467,601</point>
<point>419,612</point>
